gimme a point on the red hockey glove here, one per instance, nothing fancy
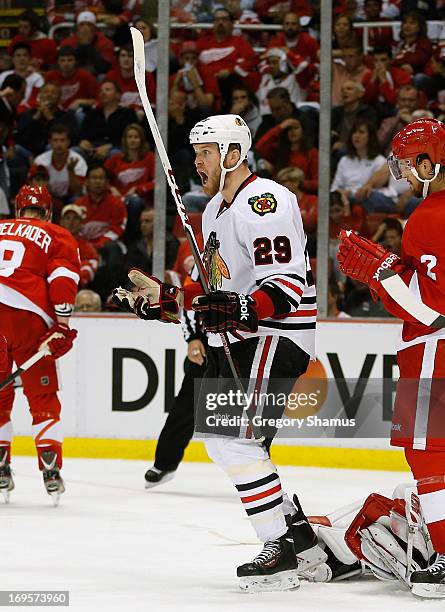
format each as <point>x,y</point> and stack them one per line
<point>59,339</point>
<point>227,311</point>
<point>151,299</point>
<point>364,260</point>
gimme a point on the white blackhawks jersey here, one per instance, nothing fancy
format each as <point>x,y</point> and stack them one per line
<point>256,242</point>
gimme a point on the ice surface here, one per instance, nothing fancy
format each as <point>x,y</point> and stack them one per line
<point>115,546</point>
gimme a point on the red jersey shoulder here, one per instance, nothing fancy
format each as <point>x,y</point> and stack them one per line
<point>426,224</point>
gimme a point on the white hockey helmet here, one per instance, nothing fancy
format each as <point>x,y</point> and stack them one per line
<point>224,130</point>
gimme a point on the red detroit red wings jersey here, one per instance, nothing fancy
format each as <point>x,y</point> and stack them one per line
<point>39,267</point>
<point>423,253</point>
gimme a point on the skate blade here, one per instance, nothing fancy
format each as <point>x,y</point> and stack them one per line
<point>55,498</point>
<point>428,591</point>
<point>310,559</point>
<point>55,495</point>
<point>152,485</point>
<point>282,581</point>
<point>6,495</point>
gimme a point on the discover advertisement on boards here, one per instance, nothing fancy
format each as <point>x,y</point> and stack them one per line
<point>122,374</point>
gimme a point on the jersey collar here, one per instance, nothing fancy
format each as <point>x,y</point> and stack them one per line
<point>225,205</point>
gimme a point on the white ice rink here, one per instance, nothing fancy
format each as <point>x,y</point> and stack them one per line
<point>115,546</point>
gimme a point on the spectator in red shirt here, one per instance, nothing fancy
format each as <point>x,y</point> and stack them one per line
<point>382,84</point>
<point>230,58</point>
<point>132,174</point>
<point>293,39</point>
<point>197,82</point>
<point>132,171</point>
<point>43,49</point>
<point>78,87</point>
<point>287,145</point>
<point>105,221</point>
<point>414,49</point>
<point>123,75</point>
<point>71,219</point>
<point>94,51</point>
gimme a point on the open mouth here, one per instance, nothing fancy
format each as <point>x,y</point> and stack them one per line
<point>204,177</point>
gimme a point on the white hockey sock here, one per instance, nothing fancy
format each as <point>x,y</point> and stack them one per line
<point>262,499</point>
<point>6,433</point>
<point>47,433</point>
<point>288,506</point>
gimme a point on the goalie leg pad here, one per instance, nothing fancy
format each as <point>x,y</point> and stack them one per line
<point>386,554</point>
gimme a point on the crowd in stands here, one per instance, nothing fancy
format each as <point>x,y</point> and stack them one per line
<point>71,119</point>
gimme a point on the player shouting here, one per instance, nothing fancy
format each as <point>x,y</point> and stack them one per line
<point>262,293</point>
<point>418,420</point>
<point>39,273</point>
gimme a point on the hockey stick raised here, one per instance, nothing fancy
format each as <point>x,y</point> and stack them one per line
<point>139,75</point>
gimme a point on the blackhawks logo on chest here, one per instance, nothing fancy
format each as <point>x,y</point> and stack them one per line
<point>263,204</point>
<point>214,264</point>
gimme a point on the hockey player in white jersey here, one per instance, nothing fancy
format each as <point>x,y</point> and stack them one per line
<point>263,296</point>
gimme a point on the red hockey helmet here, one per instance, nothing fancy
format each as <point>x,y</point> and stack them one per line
<point>34,196</point>
<point>421,137</point>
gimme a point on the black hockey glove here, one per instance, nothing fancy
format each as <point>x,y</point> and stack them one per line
<point>227,311</point>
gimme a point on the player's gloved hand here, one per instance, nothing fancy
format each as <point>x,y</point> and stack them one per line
<point>151,299</point>
<point>59,339</point>
<point>364,260</point>
<point>227,311</point>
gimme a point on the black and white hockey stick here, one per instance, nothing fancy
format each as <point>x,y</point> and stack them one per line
<point>139,75</point>
<point>25,366</point>
<point>401,293</point>
<point>42,352</point>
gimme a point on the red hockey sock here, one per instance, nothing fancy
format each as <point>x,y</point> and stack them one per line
<point>428,468</point>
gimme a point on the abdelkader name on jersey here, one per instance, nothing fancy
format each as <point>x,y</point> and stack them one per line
<point>258,240</point>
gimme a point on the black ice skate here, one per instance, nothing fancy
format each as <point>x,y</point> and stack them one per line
<point>52,479</point>
<point>310,556</point>
<point>6,480</point>
<point>274,569</point>
<point>155,477</point>
<point>430,582</point>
